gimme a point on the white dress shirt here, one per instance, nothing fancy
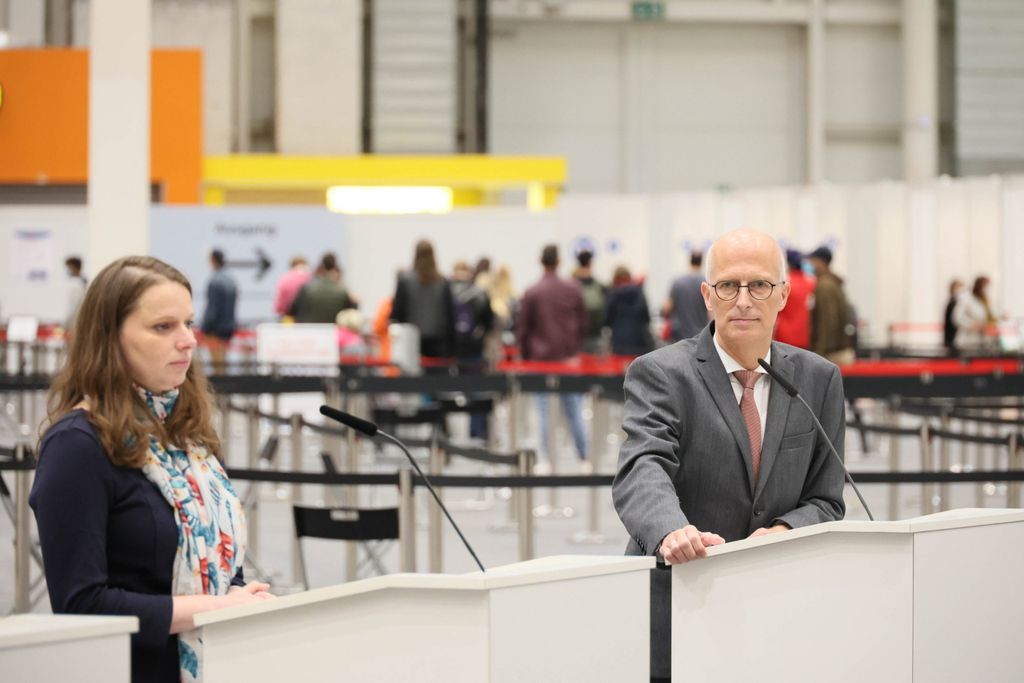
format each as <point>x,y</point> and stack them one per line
<point>761,389</point>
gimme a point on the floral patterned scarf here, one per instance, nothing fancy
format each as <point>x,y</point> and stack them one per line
<point>211,526</point>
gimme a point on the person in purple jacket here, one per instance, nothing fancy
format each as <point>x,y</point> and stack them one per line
<point>135,514</point>
<point>551,327</point>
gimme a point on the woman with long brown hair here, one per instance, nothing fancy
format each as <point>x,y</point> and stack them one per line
<point>423,298</point>
<point>135,514</point>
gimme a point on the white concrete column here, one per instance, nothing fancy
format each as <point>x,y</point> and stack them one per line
<point>119,55</point>
<point>815,92</point>
<point>26,23</point>
<point>920,26</point>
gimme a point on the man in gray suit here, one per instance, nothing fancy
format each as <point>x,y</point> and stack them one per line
<point>711,456</point>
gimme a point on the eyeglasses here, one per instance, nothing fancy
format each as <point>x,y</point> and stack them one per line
<point>727,290</point>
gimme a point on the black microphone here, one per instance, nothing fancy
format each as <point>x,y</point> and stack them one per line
<point>369,429</point>
<point>357,423</point>
<point>791,390</point>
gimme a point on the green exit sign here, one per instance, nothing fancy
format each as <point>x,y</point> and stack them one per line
<point>648,10</point>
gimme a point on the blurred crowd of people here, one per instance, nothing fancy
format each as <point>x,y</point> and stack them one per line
<point>969,324</point>
<point>476,315</point>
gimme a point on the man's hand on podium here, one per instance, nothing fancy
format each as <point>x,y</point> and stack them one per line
<point>688,543</point>
<point>765,530</point>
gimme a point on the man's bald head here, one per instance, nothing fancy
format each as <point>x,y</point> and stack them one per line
<point>744,321</point>
<point>740,242</point>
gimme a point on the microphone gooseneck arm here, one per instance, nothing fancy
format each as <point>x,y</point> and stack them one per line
<point>434,494</point>
<point>792,391</point>
<point>370,429</point>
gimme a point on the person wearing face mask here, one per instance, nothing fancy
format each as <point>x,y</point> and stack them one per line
<point>714,451</point>
<point>135,513</point>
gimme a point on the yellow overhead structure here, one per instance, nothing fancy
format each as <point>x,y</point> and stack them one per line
<point>474,179</point>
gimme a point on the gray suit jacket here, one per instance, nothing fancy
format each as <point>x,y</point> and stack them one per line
<point>686,458</point>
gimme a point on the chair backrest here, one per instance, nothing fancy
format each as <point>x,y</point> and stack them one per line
<point>346,523</point>
<point>428,415</point>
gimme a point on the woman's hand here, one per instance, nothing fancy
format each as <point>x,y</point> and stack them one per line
<point>254,591</point>
<point>186,607</point>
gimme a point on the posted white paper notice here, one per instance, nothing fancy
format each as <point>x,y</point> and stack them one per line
<point>31,257</point>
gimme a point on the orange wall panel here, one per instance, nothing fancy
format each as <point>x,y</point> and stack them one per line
<point>176,132</point>
<point>44,116</point>
<point>44,119</point>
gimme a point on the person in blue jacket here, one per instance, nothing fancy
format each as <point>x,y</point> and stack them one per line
<point>135,514</point>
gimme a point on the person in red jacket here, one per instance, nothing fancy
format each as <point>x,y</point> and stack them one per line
<point>793,325</point>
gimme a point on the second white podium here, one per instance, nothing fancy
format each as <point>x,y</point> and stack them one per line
<point>577,618</point>
<point>935,598</point>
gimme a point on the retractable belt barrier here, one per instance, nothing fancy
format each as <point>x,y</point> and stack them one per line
<point>946,378</point>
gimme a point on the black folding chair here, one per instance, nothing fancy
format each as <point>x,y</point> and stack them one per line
<point>345,524</point>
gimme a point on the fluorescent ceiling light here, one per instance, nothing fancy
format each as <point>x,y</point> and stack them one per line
<point>389,200</point>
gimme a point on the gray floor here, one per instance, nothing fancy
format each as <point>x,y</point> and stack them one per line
<point>484,515</point>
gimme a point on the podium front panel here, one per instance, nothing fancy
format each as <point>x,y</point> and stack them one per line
<point>63,647</point>
<point>398,635</point>
<point>829,607</point>
<point>969,604</point>
<point>589,629</point>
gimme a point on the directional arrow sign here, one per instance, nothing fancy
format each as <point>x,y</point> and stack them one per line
<point>262,264</point>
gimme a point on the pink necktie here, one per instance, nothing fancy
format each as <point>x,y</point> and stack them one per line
<point>748,378</point>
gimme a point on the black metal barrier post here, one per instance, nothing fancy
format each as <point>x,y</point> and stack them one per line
<point>295,490</point>
<point>927,501</point>
<point>434,522</point>
<point>252,437</point>
<point>598,430</point>
<point>406,521</point>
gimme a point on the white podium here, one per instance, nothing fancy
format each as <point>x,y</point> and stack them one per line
<point>936,598</point>
<point>48,647</point>
<point>572,618</point>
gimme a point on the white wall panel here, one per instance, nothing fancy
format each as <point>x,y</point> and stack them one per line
<point>897,246</point>
<point>616,228</point>
<point>863,95</point>
<point>414,76</point>
<point>62,231</point>
<point>725,107</point>
<point>557,90</point>
<point>859,161</point>
<point>1007,288</point>
<point>989,83</point>
<point>659,107</point>
<point>319,77</point>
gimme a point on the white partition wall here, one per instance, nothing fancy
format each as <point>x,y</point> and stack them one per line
<point>935,598</point>
<point>897,246</point>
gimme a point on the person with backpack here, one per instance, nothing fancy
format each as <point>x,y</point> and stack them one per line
<point>423,297</point>
<point>474,318</point>
<point>474,321</point>
<point>628,316</point>
<point>833,322</point>
<point>322,298</point>
<point>594,294</point>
